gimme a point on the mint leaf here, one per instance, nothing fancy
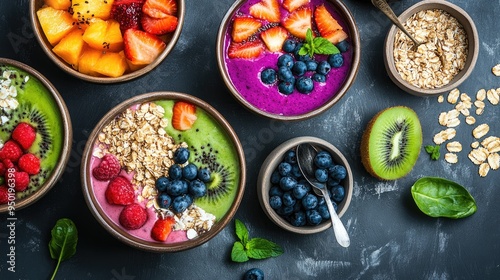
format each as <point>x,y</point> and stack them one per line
<point>259,248</point>
<point>241,231</point>
<point>238,253</point>
<point>317,45</point>
<point>433,151</point>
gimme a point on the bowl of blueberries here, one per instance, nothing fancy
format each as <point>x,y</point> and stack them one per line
<point>289,200</point>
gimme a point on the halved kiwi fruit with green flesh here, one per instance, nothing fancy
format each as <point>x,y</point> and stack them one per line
<point>39,109</point>
<point>391,143</point>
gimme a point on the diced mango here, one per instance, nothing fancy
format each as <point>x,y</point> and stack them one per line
<point>55,23</point>
<point>104,35</point>
<point>337,37</point>
<point>111,64</point>
<point>58,4</point>
<point>70,47</point>
<point>86,9</point>
<point>88,60</point>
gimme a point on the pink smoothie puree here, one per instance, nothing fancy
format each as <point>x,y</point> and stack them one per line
<point>245,74</point>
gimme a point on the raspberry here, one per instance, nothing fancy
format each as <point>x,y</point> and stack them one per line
<point>21,181</point>
<point>29,163</point>
<point>3,168</point>
<point>24,134</point>
<point>108,169</point>
<point>4,194</point>
<point>10,150</point>
<point>133,216</point>
<point>120,191</point>
<point>8,164</point>
<point>127,13</point>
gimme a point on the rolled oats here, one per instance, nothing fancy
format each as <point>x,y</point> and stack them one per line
<point>440,99</point>
<point>470,120</point>
<point>474,144</point>
<point>484,168</point>
<point>444,135</point>
<point>481,94</point>
<point>496,70</point>
<point>453,96</point>
<point>451,158</point>
<point>481,130</point>
<point>494,161</point>
<point>493,96</point>
<point>454,147</point>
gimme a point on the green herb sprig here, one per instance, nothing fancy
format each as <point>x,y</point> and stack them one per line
<point>433,151</point>
<point>62,245</point>
<point>255,248</point>
<point>317,45</point>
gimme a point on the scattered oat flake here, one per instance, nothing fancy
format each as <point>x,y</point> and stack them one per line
<point>451,157</point>
<point>474,144</point>
<point>484,168</point>
<point>470,120</point>
<point>496,70</point>
<point>440,99</point>
<point>493,96</point>
<point>454,147</point>
<point>481,94</point>
<point>453,96</point>
<point>480,131</point>
<point>494,161</point>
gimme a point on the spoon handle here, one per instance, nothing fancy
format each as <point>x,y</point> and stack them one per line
<point>339,229</point>
<point>383,6</point>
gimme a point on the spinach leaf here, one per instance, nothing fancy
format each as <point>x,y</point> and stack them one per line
<point>438,197</point>
<point>62,245</point>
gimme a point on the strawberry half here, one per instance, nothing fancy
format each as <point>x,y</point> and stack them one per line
<point>159,8</point>
<point>298,22</point>
<point>246,50</point>
<point>183,115</point>
<point>162,228</point>
<point>274,38</point>
<point>244,27</point>
<point>267,10</point>
<point>326,24</point>
<point>159,26</point>
<point>142,47</point>
<point>292,5</point>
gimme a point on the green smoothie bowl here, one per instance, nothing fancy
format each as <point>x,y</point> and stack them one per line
<point>35,135</point>
<point>163,172</point>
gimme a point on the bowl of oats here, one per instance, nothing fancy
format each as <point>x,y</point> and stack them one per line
<point>163,172</point>
<point>447,55</point>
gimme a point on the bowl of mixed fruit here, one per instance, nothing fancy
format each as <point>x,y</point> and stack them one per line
<point>288,59</point>
<point>35,135</point>
<point>163,172</point>
<point>107,41</point>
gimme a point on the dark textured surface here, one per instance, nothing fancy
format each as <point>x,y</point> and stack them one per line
<point>390,237</point>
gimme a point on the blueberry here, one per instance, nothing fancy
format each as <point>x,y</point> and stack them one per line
<point>162,183</point>
<point>254,274</point>
<point>338,193</point>
<point>323,67</point>
<point>181,203</point>
<point>338,172</point>
<point>335,60</point>
<point>268,76</point>
<point>285,74</point>
<point>290,157</point>
<point>320,78</point>
<point>288,199</point>
<point>298,219</point>
<point>285,210</point>
<point>304,85</point>
<point>197,188</point>
<point>164,200</point>
<point>190,172</point>
<point>181,155</point>
<point>287,183</point>
<point>285,60</point>
<point>299,191</point>
<point>299,68</point>
<point>310,201</point>
<point>177,187</point>
<point>297,49</point>
<point>323,211</point>
<point>321,175</point>
<point>275,202</point>
<point>284,169</point>
<point>313,217</point>
<point>275,177</point>
<point>296,171</point>
<point>175,172</point>
<point>204,174</point>
<point>275,191</point>
<point>289,45</point>
<point>286,87</point>
<point>311,65</point>
<point>332,182</point>
<point>343,46</point>
<point>323,159</point>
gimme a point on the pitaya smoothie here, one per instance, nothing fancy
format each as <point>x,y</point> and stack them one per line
<point>245,73</point>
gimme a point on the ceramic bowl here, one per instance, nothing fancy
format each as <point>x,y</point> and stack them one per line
<point>473,47</point>
<point>207,117</point>
<point>288,108</point>
<point>276,157</point>
<point>37,85</point>
<point>170,39</point>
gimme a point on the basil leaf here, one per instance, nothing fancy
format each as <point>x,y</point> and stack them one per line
<point>438,197</point>
<point>241,231</point>
<point>238,253</point>
<point>259,248</point>
<point>62,245</point>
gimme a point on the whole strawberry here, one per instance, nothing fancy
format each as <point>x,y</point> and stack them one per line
<point>108,169</point>
<point>162,228</point>
<point>4,194</point>
<point>133,216</point>
<point>11,150</point>
<point>24,134</point>
<point>120,191</point>
<point>29,163</point>
<point>21,181</point>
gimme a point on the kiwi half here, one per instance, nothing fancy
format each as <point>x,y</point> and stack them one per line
<point>391,143</point>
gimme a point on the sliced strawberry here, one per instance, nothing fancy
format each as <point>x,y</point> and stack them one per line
<point>267,10</point>
<point>337,37</point>
<point>244,27</point>
<point>142,47</point>
<point>246,50</point>
<point>159,26</point>
<point>162,228</point>
<point>292,5</point>
<point>183,115</point>
<point>298,22</point>
<point>325,22</point>
<point>160,8</point>
<point>274,38</point>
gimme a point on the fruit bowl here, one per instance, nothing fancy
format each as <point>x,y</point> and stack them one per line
<point>163,172</point>
<point>257,54</point>
<point>273,181</point>
<point>101,44</point>
<point>458,66</point>
<point>35,135</point>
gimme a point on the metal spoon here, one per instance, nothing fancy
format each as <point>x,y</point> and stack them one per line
<point>305,157</point>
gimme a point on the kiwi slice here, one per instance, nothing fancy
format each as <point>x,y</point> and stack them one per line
<point>39,109</point>
<point>391,143</point>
